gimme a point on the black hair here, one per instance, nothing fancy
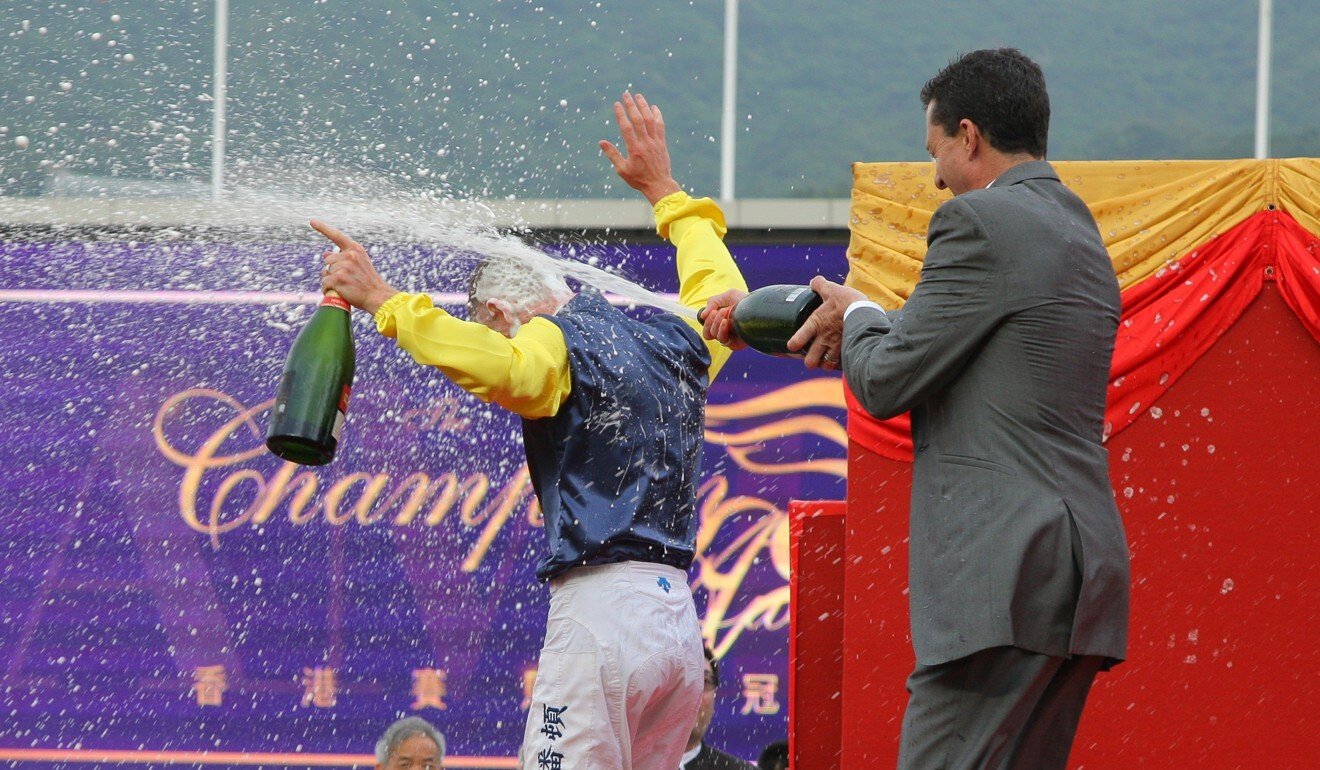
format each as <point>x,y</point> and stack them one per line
<point>1001,91</point>
<point>714,665</point>
<point>774,757</point>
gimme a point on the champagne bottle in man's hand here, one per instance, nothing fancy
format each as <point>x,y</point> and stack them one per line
<point>767,319</point>
<point>312,403</point>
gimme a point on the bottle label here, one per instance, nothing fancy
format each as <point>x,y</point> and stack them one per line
<point>335,302</point>
<point>341,414</point>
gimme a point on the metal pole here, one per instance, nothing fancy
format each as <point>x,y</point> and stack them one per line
<point>220,74</point>
<point>1263,79</point>
<point>727,124</point>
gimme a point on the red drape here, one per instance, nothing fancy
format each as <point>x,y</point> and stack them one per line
<point>1172,318</point>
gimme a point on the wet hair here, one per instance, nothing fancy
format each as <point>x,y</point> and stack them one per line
<point>515,281</point>
<point>1001,91</point>
<point>714,665</point>
<point>402,730</point>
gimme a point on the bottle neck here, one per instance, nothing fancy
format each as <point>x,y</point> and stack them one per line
<point>332,299</point>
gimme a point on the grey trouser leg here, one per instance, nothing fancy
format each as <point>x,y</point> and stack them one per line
<point>997,709</point>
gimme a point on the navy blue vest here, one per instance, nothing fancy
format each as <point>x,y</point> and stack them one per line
<point>616,468</point>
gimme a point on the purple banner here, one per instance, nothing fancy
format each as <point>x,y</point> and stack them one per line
<point>170,588</point>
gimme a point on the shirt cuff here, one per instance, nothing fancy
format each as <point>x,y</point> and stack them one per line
<point>668,204</point>
<point>861,303</point>
<point>679,205</point>
<point>386,310</point>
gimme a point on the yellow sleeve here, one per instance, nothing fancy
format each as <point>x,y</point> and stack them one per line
<point>528,375</point>
<point>705,268</point>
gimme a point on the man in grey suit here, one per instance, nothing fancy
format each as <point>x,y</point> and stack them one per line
<point>1019,566</point>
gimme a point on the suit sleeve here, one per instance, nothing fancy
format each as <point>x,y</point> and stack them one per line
<point>529,375</point>
<point>895,362</point>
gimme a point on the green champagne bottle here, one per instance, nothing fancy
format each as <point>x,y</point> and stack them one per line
<point>312,402</point>
<point>769,316</point>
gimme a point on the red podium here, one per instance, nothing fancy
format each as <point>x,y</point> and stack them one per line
<point>815,636</point>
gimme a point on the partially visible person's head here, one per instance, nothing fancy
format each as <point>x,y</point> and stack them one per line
<point>506,293</point>
<point>993,97</point>
<point>410,744</point>
<point>774,757</point>
<point>707,708</point>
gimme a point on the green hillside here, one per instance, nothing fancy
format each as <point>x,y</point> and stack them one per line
<point>509,98</point>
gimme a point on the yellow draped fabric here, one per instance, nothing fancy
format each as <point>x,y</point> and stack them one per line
<point>1150,213</point>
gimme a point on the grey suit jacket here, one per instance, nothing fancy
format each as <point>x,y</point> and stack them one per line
<point>1002,354</point>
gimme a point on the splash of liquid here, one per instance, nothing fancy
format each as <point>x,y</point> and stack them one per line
<point>463,231</point>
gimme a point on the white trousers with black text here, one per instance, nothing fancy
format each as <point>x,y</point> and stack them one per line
<point>620,675</point>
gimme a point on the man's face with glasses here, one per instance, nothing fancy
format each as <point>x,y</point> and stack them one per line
<point>948,153</point>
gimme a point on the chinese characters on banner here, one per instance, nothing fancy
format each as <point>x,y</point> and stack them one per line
<point>209,684</point>
<point>429,689</point>
<point>759,694</point>
<point>319,688</point>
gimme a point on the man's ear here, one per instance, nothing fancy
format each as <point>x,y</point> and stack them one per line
<point>503,318</point>
<point>501,309</point>
<point>971,137</point>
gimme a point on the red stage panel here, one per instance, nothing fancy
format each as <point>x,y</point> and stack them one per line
<point>815,637</point>
<point>877,646</point>
<point>1219,491</point>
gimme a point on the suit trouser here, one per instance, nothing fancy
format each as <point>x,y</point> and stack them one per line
<point>620,675</point>
<point>1003,708</point>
